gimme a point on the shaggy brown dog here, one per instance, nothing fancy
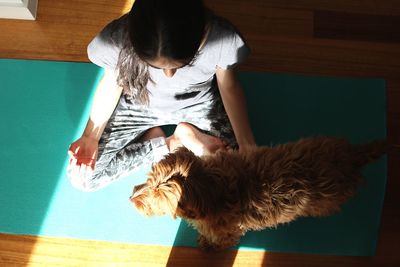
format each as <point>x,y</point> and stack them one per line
<point>228,193</point>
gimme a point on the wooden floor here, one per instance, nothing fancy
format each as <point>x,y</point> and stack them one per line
<point>336,38</point>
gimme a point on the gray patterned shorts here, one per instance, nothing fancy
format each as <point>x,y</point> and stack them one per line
<point>120,152</point>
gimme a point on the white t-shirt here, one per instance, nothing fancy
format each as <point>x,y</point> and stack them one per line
<point>224,48</point>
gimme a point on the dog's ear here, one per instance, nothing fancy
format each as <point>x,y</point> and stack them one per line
<point>168,178</point>
<point>180,163</point>
<point>198,198</point>
<point>183,161</point>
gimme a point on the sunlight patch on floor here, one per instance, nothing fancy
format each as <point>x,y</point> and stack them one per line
<point>74,252</point>
<point>62,176</point>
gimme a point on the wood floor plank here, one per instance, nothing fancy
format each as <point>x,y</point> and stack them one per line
<point>62,30</point>
<point>385,7</point>
<point>353,26</point>
<point>16,250</point>
<point>41,251</point>
<point>257,18</point>
<point>323,57</point>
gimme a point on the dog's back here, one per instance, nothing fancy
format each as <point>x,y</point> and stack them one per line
<point>310,177</point>
<point>315,153</point>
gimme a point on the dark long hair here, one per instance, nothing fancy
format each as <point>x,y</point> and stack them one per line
<point>173,29</point>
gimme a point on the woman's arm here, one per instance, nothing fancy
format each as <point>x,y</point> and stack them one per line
<point>83,152</point>
<point>235,106</point>
<point>105,100</point>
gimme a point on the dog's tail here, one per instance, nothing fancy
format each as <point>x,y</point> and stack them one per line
<point>369,152</point>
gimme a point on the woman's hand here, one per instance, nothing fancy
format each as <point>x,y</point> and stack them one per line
<point>83,152</point>
<point>83,155</point>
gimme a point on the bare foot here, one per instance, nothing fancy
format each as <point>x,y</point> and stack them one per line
<point>173,143</point>
<point>152,133</point>
<point>198,142</point>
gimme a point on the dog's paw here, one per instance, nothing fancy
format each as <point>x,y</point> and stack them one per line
<point>203,243</point>
<point>206,245</point>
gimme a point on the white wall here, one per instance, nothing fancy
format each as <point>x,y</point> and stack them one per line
<point>18,9</point>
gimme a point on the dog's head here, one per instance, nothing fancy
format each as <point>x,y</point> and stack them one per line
<point>167,182</point>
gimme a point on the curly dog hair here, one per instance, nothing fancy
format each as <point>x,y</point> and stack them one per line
<point>228,193</point>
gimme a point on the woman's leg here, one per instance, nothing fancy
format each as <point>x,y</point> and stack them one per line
<point>126,144</point>
<point>194,139</point>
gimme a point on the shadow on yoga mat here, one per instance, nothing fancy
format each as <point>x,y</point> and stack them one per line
<point>45,107</point>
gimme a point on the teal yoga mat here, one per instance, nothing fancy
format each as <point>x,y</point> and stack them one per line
<point>44,107</point>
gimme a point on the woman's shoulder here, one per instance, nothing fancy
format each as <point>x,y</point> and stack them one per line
<point>222,27</point>
<point>104,49</point>
<point>114,32</point>
<point>225,43</point>
<point>222,32</point>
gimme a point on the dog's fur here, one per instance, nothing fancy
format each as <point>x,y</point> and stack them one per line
<point>228,193</point>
